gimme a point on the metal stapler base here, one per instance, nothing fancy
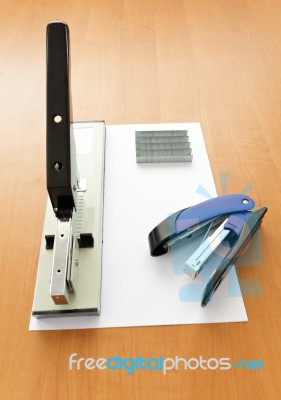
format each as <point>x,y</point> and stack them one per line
<point>86,262</point>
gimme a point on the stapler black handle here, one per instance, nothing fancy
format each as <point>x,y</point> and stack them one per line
<point>60,166</point>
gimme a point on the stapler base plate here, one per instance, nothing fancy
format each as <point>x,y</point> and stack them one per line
<point>86,262</point>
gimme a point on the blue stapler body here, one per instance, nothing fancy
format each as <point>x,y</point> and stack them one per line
<point>225,219</point>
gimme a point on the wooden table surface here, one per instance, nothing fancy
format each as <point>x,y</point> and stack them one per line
<point>142,61</point>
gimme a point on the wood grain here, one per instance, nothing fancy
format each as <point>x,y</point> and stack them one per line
<point>217,62</point>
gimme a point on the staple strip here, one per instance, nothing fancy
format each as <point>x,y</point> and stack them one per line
<point>162,146</point>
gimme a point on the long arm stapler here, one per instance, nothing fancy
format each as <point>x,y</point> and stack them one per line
<point>225,220</point>
<point>69,270</point>
<point>62,179</point>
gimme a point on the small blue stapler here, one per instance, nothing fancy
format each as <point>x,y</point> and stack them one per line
<point>225,220</point>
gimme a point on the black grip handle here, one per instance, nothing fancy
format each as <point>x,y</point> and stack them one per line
<point>59,163</point>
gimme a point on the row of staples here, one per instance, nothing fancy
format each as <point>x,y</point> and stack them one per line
<point>163,146</point>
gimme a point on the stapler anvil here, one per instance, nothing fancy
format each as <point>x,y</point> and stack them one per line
<point>69,269</point>
<point>224,220</point>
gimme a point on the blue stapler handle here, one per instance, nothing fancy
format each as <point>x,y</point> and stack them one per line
<point>249,226</point>
<point>213,208</point>
<point>189,218</point>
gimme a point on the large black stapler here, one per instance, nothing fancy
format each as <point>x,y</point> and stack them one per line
<point>69,268</point>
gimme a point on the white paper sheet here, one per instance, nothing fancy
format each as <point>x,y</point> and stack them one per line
<point>137,289</point>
